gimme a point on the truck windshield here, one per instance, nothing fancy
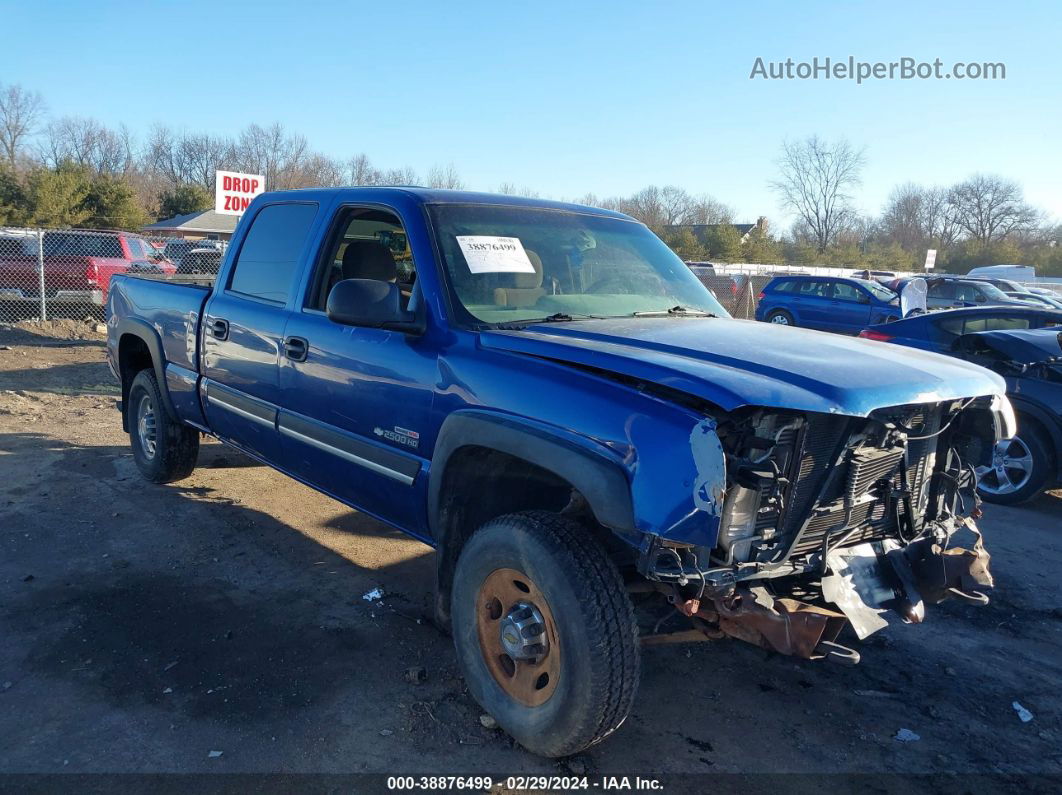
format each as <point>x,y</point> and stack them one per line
<point>510,264</point>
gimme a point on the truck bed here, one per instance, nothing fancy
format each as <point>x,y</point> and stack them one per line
<point>171,308</point>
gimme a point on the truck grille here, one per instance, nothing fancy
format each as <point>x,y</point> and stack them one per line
<point>818,496</point>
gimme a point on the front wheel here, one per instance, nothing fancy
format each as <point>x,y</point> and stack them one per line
<point>164,449</point>
<point>545,632</point>
<point>1019,470</point>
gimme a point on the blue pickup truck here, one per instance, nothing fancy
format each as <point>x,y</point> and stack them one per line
<point>545,394</point>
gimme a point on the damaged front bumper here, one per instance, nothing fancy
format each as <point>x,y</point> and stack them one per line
<point>866,584</point>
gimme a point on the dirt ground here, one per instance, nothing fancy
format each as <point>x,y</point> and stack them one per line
<point>144,627</point>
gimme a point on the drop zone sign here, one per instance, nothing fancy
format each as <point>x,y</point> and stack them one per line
<point>233,191</point>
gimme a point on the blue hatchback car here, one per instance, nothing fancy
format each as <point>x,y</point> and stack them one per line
<point>827,303</point>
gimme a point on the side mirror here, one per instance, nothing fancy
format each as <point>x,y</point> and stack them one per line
<point>369,303</point>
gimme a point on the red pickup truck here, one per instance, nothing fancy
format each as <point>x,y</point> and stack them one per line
<point>78,266</point>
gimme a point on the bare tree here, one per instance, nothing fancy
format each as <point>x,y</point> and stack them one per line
<point>645,205</point>
<point>675,205</point>
<point>86,142</point>
<point>706,210</point>
<point>273,152</point>
<point>362,171</point>
<point>187,158</point>
<point>938,217</point>
<point>902,218</point>
<point>200,156</point>
<point>21,112</point>
<point>399,176</point>
<point>510,189</point>
<point>989,208</point>
<point>317,170</point>
<point>440,177</point>
<point>815,183</point>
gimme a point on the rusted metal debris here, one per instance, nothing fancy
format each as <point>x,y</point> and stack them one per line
<point>952,572</point>
<point>784,625</point>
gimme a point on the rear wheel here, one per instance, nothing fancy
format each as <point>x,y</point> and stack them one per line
<point>781,317</point>
<point>164,449</point>
<point>545,632</point>
<point>1020,469</point>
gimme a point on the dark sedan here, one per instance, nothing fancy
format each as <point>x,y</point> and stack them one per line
<point>947,291</point>
<point>938,331</point>
<point>1022,345</point>
<point>1031,363</point>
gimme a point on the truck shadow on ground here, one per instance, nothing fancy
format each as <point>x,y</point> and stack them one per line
<point>211,610</point>
<point>82,378</point>
<point>23,335</point>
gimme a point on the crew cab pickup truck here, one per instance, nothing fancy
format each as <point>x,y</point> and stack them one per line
<point>78,266</point>
<point>546,394</point>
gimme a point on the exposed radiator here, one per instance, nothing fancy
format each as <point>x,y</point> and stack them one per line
<point>870,473</point>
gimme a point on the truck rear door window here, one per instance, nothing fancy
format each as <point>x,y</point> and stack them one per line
<point>270,254</point>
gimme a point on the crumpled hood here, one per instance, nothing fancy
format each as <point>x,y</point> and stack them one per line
<point>735,363</point>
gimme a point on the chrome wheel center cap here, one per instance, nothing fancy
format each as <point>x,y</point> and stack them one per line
<point>523,633</point>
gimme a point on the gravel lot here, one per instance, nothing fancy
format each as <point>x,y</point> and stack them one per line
<point>145,626</point>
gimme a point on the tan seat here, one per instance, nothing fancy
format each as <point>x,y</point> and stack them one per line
<point>365,259</point>
<point>525,289</point>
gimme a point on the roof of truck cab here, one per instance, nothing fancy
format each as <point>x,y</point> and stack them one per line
<point>442,196</point>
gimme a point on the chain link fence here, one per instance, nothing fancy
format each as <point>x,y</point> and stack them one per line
<point>51,274</point>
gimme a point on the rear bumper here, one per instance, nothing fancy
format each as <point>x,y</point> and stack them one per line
<point>18,295</point>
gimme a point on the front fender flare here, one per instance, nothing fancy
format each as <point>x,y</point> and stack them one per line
<point>592,468</point>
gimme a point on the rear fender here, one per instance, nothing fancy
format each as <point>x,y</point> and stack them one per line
<point>141,330</point>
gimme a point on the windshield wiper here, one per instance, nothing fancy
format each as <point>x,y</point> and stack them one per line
<point>556,317</point>
<point>675,310</point>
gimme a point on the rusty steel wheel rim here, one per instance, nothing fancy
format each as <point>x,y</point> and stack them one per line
<point>523,658</point>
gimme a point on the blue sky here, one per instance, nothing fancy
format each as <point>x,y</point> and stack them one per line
<point>570,97</point>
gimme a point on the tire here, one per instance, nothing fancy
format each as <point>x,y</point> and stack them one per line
<point>591,648</point>
<point>164,449</point>
<point>781,318</point>
<point>1034,467</point>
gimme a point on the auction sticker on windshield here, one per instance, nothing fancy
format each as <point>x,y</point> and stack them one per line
<point>489,254</point>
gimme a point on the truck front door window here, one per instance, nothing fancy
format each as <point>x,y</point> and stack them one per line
<point>371,244</point>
